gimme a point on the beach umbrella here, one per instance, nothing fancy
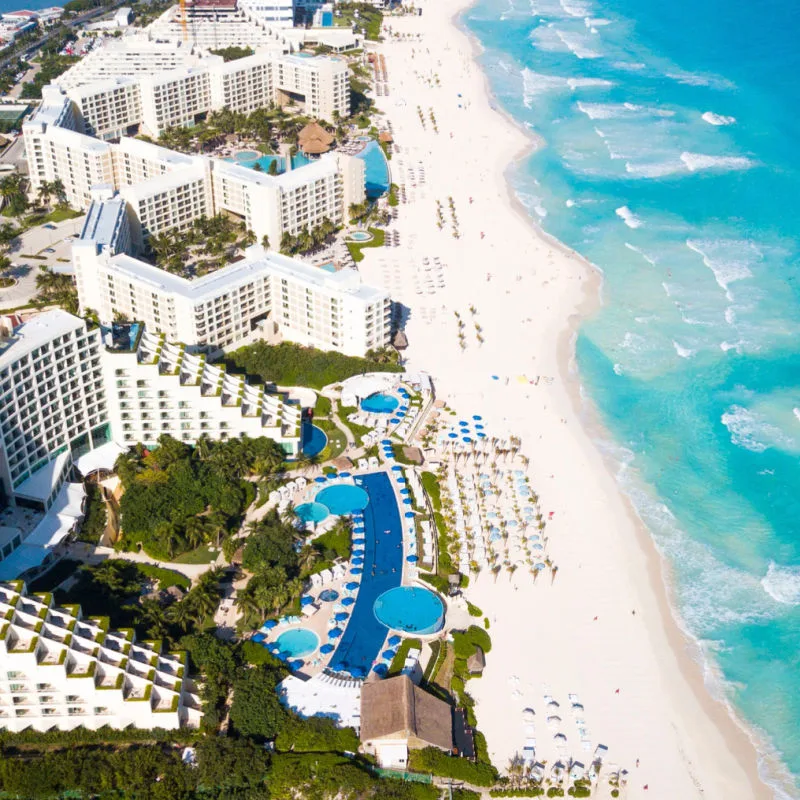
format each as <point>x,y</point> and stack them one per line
<point>495,377</point>
<point>327,648</point>
<point>334,633</point>
<point>351,585</point>
<point>466,439</point>
<point>397,468</point>
<point>477,417</point>
<point>405,491</point>
<point>402,480</point>
<point>479,427</point>
<point>275,649</point>
<point>412,559</point>
<point>409,515</point>
<point>357,560</point>
<point>380,669</point>
<point>348,601</point>
<point>395,640</point>
<point>356,672</point>
<point>401,413</point>
<point>481,435</point>
<point>407,501</point>
<point>320,479</point>
<point>388,654</point>
<point>306,601</point>
<point>259,637</point>
<point>341,616</point>
<point>386,441</point>
<point>296,665</point>
<point>270,624</point>
<point>356,571</point>
<point>394,420</point>
<point>453,435</point>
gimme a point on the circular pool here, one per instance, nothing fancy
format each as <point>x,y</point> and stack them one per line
<point>410,609</point>
<point>328,595</point>
<point>313,439</point>
<point>247,155</point>
<point>343,499</point>
<point>359,236</point>
<point>311,512</point>
<point>297,642</point>
<point>380,403</point>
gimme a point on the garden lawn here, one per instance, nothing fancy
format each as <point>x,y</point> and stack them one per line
<point>201,555</point>
<point>355,248</point>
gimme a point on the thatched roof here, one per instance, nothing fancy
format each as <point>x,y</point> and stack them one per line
<point>385,136</point>
<point>476,662</point>
<point>342,463</point>
<point>395,708</point>
<point>414,455</point>
<point>314,139</point>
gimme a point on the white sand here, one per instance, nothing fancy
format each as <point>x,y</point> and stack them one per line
<point>544,635</point>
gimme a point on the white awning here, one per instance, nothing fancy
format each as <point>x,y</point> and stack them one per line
<point>103,457</point>
<point>40,485</point>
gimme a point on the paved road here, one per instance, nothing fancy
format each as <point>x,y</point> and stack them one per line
<point>33,242</point>
<point>70,23</point>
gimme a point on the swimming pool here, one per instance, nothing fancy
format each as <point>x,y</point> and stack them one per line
<point>343,498</point>
<point>377,169</point>
<point>297,642</point>
<point>313,439</point>
<point>249,159</point>
<point>380,403</point>
<point>359,236</point>
<point>383,570</point>
<point>311,512</point>
<point>410,609</point>
<point>328,267</point>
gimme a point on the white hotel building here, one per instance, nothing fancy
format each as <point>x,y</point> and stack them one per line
<point>263,295</point>
<point>63,670</point>
<point>67,400</point>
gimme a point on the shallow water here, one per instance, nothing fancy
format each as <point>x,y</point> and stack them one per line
<point>671,163</point>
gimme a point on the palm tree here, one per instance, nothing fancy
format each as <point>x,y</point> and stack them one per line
<point>217,525</point>
<point>44,192</point>
<point>196,531</point>
<point>183,614</point>
<point>265,241</point>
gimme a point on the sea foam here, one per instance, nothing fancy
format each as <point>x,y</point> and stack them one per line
<point>782,584</point>
<point>628,217</point>
<point>718,119</point>
<point>699,161</point>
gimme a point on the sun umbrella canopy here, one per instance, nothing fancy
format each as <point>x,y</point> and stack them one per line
<point>412,559</point>
<point>409,515</point>
<point>394,640</point>
<point>388,654</point>
<point>320,479</point>
<point>402,480</point>
<point>351,585</point>
<point>477,417</point>
<point>341,616</point>
<point>348,601</point>
<point>380,669</point>
<point>358,561</point>
<point>270,624</point>
<point>306,601</point>
<point>344,474</point>
<point>327,648</point>
<point>397,468</point>
<point>405,491</point>
<point>335,633</point>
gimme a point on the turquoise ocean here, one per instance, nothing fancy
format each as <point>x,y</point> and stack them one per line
<point>671,162</point>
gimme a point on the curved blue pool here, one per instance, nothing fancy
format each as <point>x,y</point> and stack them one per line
<point>380,403</point>
<point>297,642</point>
<point>313,439</point>
<point>311,512</point>
<point>411,609</point>
<point>343,499</point>
<point>377,169</point>
<point>249,159</point>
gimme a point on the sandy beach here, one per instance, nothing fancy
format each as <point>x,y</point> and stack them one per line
<point>602,629</point>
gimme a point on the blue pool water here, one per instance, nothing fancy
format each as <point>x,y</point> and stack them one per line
<point>410,609</point>
<point>311,512</point>
<point>377,169</point>
<point>343,498</point>
<point>300,160</point>
<point>383,569</point>
<point>671,162</point>
<point>328,595</point>
<point>359,236</point>
<point>313,439</point>
<point>297,642</point>
<point>380,403</point>
<point>249,158</point>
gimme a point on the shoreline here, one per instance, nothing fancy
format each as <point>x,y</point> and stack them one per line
<point>697,667</point>
<point>694,663</point>
<point>734,733</point>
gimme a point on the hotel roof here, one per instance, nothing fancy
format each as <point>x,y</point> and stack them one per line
<point>35,332</point>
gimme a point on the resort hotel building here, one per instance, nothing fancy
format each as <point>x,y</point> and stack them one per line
<point>63,670</point>
<point>265,295</point>
<point>73,398</point>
